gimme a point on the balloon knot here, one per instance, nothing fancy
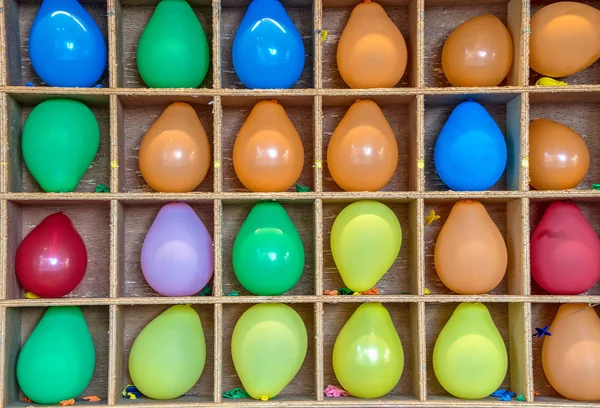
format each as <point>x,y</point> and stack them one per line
<point>236,393</point>
<point>541,332</point>
<point>367,1</point>
<point>335,392</point>
<point>470,99</point>
<point>65,403</point>
<point>131,392</point>
<point>264,398</point>
<point>274,100</point>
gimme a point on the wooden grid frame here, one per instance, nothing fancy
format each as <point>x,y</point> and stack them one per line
<point>117,309</point>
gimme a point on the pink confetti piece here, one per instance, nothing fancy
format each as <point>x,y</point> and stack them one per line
<point>335,392</point>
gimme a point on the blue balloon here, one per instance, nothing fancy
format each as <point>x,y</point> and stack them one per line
<point>66,46</point>
<point>470,152</point>
<point>267,49</point>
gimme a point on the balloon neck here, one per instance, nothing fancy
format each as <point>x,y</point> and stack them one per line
<point>264,398</point>
<point>468,201</point>
<point>367,1</point>
<point>52,5</point>
<point>274,100</point>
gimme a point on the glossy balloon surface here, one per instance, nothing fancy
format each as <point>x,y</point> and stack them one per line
<point>268,254</point>
<point>267,49</point>
<point>362,154</point>
<point>470,254</point>
<point>565,251</point>
<point>60,141</point>
<point>168,356</point>
<point>268,154</point>
<point>268,347</point>
<point>479,52</point>
<point>469,357</point>
<point>564,39</point>
<point>371,52</point>
<point>58,359</point>
<point>52,259</point>
<point>66,46</point>
<point>173,49</point>
<point>365,241</point>
<point>571,355</point>
<point>177,255</point>
<point>558,156</point>
<point>368,358</point>
<point>175,153</point>
<point>470,152</point>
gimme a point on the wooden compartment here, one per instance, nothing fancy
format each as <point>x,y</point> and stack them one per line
<point>19,107</point>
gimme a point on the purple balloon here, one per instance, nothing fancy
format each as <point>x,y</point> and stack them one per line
<point>177,255</point>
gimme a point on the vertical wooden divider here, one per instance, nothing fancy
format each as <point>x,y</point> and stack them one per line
<point>519,321</point>
<point>218,352</point>
<point>11,337</point>
<point>317,44</point>
<point>318,307</point>
<point>217,109</point>
<point>517,21</point>
<point>113,13</point>
<point>116,358</point>
<point>216,43</point>
<point>417,329</point>
<point>416,26</point>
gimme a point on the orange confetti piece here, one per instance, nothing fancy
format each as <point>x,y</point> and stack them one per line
<point>373,291</point>
<point>331,292</point>
<point>537,394</point>
<point>68,402</point>
<point>27,399</point>
<point>92,398</point>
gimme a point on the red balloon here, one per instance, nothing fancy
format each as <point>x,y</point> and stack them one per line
<point>565,251</point>
<point>52,259</point>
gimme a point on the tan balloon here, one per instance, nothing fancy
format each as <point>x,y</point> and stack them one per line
<point>558,156</point>
<point>362,154</point>
<point>175,153</point>
<point>371,52</point>
<point>470,254</point>
<point>571,355</point>
<point>479,52</point>
<point>268,154</point>
<point>564,39</point>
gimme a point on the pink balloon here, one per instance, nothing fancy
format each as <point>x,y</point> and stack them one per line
<point>177,254</point>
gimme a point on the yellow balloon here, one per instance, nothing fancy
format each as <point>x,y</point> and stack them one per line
<point>365,241</point>
<point>168,356</point>
<point>268,348</point>
<point>469,356</point>
<point>368,357</point>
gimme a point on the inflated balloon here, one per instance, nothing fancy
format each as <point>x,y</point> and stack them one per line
<point>52,259</point>
<point>60,141</point>
<point>469,356</point>
<point>168,356</point>
<point>267,49</point>
<point>470,253</point>
<point>177,255</point>
<point>268,255</point>
<point>571,355</point>
<point>66,46</point>
<point>268,154</point>
<point>175,153</point>
<point>268,347</point>
<point>470,152</point>
<point>564,39</point>
<point>558,156</point>
<point>362,154</point>
<point>565,251</point>
<point>365,241</point>
<point>371,52</point>
<point>57,360</point>
<point>173,49</point>
<point>479,52</point>
<point>368,357</point>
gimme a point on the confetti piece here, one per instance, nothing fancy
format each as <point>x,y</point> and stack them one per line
<point>521,398</point>
<point>541,332</point>
<point>545,81</point>
<point>68,402</point>
<point>421,163</point>
<point>324,34</point>
<point>99,86</point>
<point>373,291</point>
<point>537,394</point>
<point>427,291</point>
<point>27,399</point>
<point>114,164</point>
<point>503,395</point>
<point>211,102</point>
<point>356,294</point>
<point>331,292</point>
<point>264,398</point>
<point>206,291</point>
<point>217,164</point>
<point>29,84</point>
<point>236,393</point>
<point>302,189</point>
<point>131,392</point>
<point>525,162</point>
<point>335,392</point>
<point>318,164</point>
<point>102,188</point>
<point>431,217</point>
<point>92,398</point>
<point>30,295</point>
<point>345,291</point>
<point>595,186</point>
<point>232,293</point>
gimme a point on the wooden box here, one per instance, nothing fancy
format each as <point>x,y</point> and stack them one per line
<point>116,300</point>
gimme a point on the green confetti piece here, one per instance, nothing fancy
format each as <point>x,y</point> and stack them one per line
<point>345,291</point>
<point>101,188</point>
<point>236,393</point>
<point>595,186</point>
<point>521,398</point>
<point>232,293</point>
<point>207,291</point>
<point>302,189</point>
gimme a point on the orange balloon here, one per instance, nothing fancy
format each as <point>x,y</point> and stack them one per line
<point>565,38</point>
<point>558,156</point>
<point>268,154</point>
<point>175,152</point>
<point>571,355</point>
<point>371,52</point>
<point>479,52</point>
<point>470,254</point>
<point>362,154</point>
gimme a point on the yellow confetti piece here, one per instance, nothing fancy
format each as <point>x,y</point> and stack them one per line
<point>431,217</point>
<point>114,164</point>
<point>264,398</point>
<point>525,162</point>
<point>356,294</point>
<point>427,291</point>
<point>421,163</point>
<point>324,34</point>
<point>217,164</point>
<point>3,164</point>
<point>318,164</point>
<point>545,81</point>
<point>30,295</point>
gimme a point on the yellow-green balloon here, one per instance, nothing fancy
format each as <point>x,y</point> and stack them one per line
<point>469,356</point>
<point>365,241</point>
<point>268,348</point>
<point>168,356</point>
<point>368,357</point>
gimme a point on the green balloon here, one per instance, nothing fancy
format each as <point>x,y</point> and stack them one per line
<point>268,255</point>
<point>60,141</point>
<point>173,50</point>
<point>58,359</point>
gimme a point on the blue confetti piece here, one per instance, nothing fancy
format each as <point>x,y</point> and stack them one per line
<point>98,86</point>
<point>541,332</point>
<point>29,84</point>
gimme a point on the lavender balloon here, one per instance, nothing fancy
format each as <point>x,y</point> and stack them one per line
<point>177,255</point>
